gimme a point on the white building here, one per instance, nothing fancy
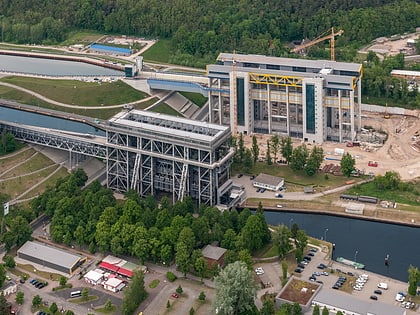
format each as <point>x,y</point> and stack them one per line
<point>93,277</point>
<point>114,284</point>
<point>269,182</point>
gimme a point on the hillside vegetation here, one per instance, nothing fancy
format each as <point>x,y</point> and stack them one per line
<point>203,28</point>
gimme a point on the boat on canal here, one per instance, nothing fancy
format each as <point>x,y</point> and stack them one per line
<point>351,263</point>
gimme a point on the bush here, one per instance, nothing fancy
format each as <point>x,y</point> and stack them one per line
<point>179,290</point>
<point>202,296</point>
<point>171,276</point>
<point>9,261</point>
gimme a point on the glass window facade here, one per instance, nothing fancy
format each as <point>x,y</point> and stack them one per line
<point>240,84</point>
<point>310,108</point>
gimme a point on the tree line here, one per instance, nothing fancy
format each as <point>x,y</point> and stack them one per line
<point>204,28</point>
<point>299,158</point>
<point>378,86</point>
<point>161,233</point>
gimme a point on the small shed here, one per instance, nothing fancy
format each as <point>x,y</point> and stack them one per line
<point>114,284</point>
<point>93,277</point>
<point>269,182</point>
<point>214,254</point>
<point>308,189</point>
<point>10,287</point>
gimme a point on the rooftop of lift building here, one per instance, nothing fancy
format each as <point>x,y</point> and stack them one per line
<point>172,126</point>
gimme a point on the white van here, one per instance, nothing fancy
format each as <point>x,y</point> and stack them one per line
<point>383,285</point>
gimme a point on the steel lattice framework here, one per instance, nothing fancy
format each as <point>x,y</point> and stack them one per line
<point>151,153</point>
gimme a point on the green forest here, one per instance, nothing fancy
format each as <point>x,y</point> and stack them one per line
<point>204,28</point>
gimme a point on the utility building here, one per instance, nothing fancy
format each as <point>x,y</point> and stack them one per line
<point>50,257</point>
<point>155,153</point>
<point>315,100</point>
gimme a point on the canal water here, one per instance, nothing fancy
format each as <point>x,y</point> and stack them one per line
<point>33,119</point>
<point>53,67</point>
<point>367,242</point>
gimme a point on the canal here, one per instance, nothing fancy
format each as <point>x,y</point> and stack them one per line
<point>49,67</point>
<point>367,242</point>
<point>34,119</point>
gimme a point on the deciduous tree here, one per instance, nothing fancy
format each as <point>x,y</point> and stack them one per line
<point>255,149</point>
<point>347,164</point>
<point>134,294</point>
<point>286,148</point>
<point>235,290</point>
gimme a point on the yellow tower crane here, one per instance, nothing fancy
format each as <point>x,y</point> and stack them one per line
<point>331,36</point>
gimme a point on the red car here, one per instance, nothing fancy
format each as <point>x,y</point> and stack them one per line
<point>175,295</point>
<point>373,164</point>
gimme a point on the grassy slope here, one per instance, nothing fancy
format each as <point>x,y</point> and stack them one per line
<point>78,92</point>
<point>197,98</point>
<point>159,52</point>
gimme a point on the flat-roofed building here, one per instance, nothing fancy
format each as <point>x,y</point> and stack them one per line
<point>114,284</point>
<point>154,154</point>
<point>269,182</point>
<point>51,257</point>
<point>314,100</point>
<point>94,277</point>
<point>110,50</point>
<point>348,304</point>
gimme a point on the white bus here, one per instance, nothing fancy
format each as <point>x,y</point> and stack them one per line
<point>75,294</point>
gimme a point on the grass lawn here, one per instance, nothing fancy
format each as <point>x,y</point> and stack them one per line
<point>197,98</point>
<point>8,162</point>
<point>39,273</point>
<point>154,283</point>
<point>33,164</point>
<point>409,196</point>
<point>164,108</point>
<point>14,187</point>
<point>160,52</point>
<point>295,181</point>
<point>25,98</point>
<point>146,104</point>
<point>80,93</point>
<point>82,300</point>
<point>48,183</point>
<point>103,310</point>
<point>81,37</point>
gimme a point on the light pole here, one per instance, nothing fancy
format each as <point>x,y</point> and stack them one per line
<point>325,234</point>
<point>355,256</point>
<point>290,224</point>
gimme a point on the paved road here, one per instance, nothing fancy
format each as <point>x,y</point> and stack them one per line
<point>251,191</point>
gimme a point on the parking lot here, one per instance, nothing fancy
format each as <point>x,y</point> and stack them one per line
<point>336,270</point>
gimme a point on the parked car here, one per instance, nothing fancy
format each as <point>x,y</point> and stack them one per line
<point>377,292</point>
<point>259,271</point>
<point>383,285</point>
<point>373,297</point>
<point>175,295</point>
<point>240,175</point>
<point>311,254</point>
<point>298,270</point>
<point>300,265</point>
<point>324,273</point>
